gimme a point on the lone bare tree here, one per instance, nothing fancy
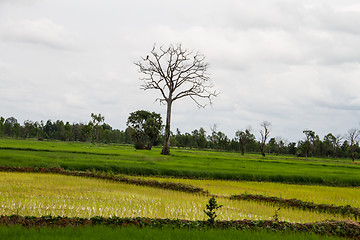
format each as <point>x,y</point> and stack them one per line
<point>264,135</point>
<point>176,73</point>
<point>353,137</point>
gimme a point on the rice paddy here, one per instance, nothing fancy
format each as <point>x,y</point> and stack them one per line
<point>311,193</point>
<point>181,163</point>
<point>33,194</point>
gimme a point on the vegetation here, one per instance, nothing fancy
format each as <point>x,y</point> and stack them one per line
<point>182,163</point>
<point>331,146</point>
<point>296,203</point>
<point>336,196</point>
<point>147,233</point>
<point>177,73</point>
<point>145,128</point>
<point>210,210</point>
<point>34,194</point>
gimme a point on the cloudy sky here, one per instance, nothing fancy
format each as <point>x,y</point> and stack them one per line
<point>293,63</point>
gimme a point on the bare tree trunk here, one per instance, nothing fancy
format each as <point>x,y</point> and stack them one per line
<point>166,147</point>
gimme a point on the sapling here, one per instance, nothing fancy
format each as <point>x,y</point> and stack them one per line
<point>210,210</point>
<point>276,215</point>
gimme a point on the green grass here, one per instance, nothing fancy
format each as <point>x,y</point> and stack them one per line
<point>182,163</point>
<point>102,232</point>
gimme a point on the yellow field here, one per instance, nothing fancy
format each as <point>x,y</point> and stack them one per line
<point>45,194</point>
<point>317,194</point>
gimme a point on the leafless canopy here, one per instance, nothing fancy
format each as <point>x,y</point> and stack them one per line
<point>176,73</point>
<point>353,136</point>
<point>265,133</point>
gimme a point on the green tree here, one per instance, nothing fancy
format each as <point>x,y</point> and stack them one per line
<point>177,73</point>
<point>11,126</point>
<point>273,146</point>
<point>307,145</point>
<point>2,122</point>
<point>96,120</point>
<point>145,127</point>
<point>244,138</point>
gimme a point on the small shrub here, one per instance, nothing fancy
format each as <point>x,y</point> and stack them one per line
<point>210,210</point>
<point>276,215</point>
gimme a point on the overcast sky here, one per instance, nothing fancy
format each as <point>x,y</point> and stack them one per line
<point>293,63</point>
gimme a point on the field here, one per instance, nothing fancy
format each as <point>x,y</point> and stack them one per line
<point>31,194</point>
<point>310,193</point>
<point>101,232</point>
<point>320,182</point>
<point>182,163</point>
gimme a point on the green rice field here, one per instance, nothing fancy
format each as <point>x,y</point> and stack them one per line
<point>182,163</point>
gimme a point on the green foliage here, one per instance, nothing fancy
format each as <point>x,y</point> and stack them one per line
<point>97,130</point>
<point>211,206</point>
<point>145,128</point>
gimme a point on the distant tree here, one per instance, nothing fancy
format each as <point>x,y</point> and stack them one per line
<point>2,122</point>
<point>97,120</point>
<point>28,129</point>
<point>145,128</point>
<point>291,148</point>
<point>264,133</point>
<point>11,126</point>
<point>223,141</point>
<point>68,132</point>
<point>76,131</point>
<point>333,143</point>
<point>218,140</point>
<point>199,138</point>
<point>201,141</point>
<point>273,146</point>
<point>281,142</point>
<point>307,145</point>
<point>244,137</point>
<point>176,73</point>
<point>352,137</point>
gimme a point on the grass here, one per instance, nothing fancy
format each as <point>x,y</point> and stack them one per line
<point>34,194</point>
<point>102,232</point>
<point>182,163</point>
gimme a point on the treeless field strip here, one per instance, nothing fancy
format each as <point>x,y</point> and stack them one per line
<point>339,196</point>
<point>45,194</point>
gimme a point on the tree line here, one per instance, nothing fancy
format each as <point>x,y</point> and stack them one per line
<point>96,130</point>
<point>145,129</point>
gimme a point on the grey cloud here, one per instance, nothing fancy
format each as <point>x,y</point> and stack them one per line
<point>40,32</point>
<point>293,63</point>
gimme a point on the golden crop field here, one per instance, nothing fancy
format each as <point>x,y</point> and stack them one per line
<point>310,193</point>
<point>51,194</point>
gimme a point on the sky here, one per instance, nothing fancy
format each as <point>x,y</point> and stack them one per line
<point>293,63</point>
